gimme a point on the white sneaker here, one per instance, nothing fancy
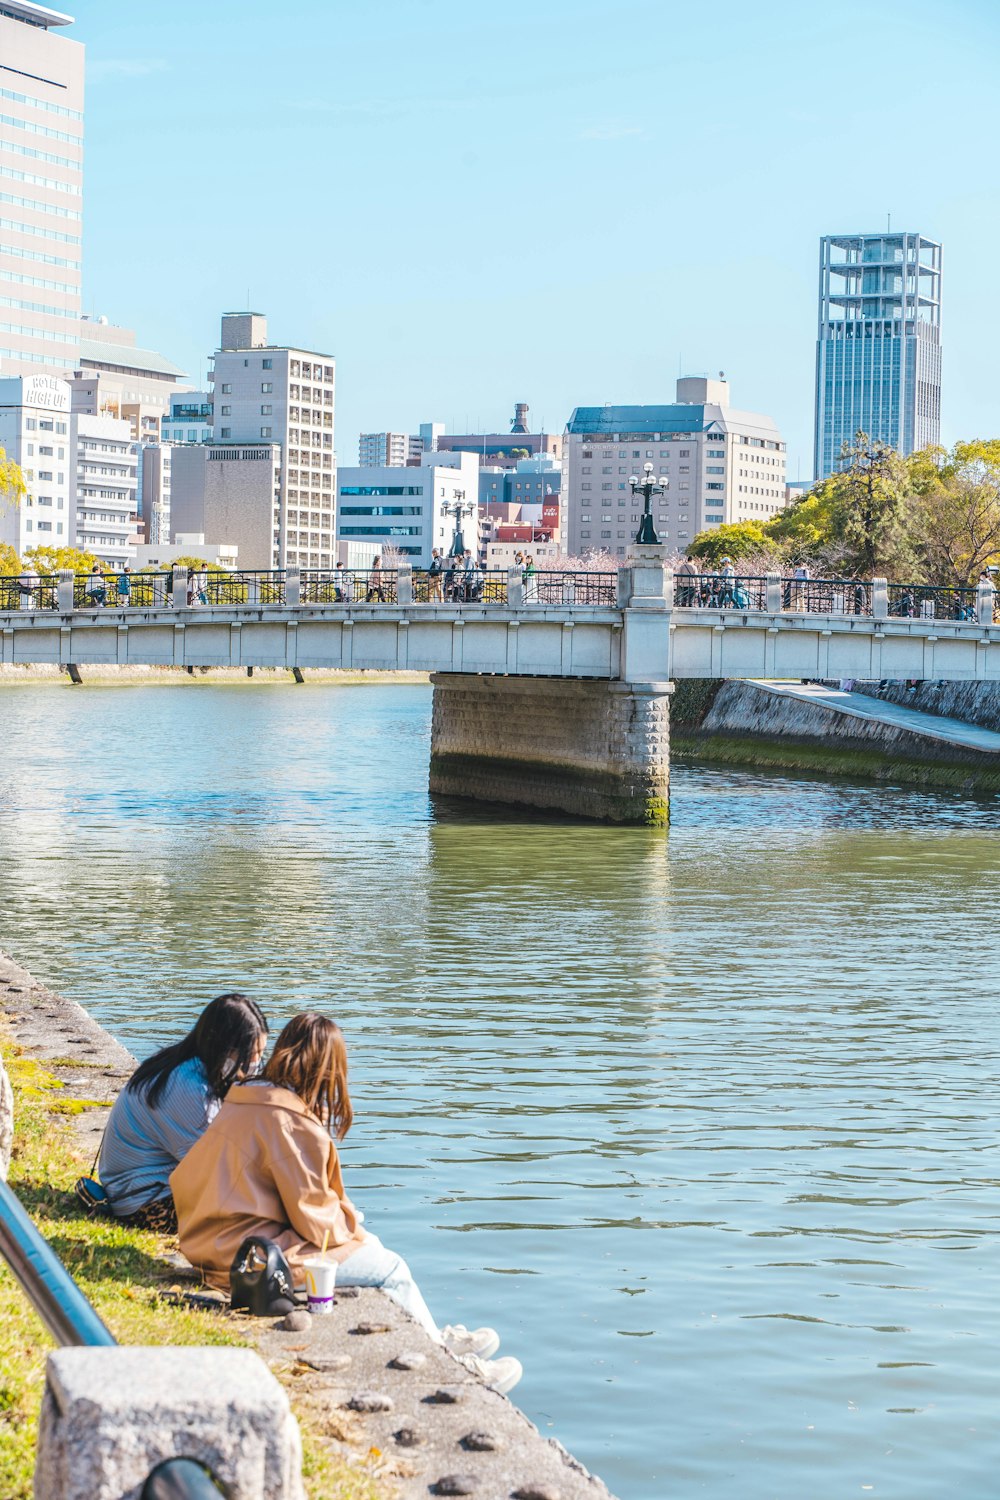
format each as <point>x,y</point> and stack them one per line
<point>461,1340</point>
<point>500,1375</point>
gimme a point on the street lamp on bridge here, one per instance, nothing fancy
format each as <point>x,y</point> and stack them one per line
<point>461,509</point>
<point>647,486</point>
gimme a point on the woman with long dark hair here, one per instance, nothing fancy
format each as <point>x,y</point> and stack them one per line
<point>169,1102</point>
<point>269,1166</point>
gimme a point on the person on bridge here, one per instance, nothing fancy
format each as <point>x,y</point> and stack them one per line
<point>169,1102</point>
<point>268,1165</point>
<point>375,589</point>
<point>124,585</point>
<point>685,590</point>
<point>96,592</point>
<point>435,592</point>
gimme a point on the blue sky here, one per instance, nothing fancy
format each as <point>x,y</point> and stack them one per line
<point>472,204</point>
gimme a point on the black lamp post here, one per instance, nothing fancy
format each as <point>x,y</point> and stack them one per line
<point>461,507</point>
<point>647,487</point>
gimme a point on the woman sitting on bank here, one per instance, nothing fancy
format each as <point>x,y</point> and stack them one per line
<point>169,1102</point>
<point>269,1166</point>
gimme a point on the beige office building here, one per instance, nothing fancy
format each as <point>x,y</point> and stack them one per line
<point>271,393</point>
<point>41,190</point>
<point>721,465</point>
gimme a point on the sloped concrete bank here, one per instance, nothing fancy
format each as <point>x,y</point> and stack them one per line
<point>379,1384</point>
<point>781,725</point>
<point>974,702</point>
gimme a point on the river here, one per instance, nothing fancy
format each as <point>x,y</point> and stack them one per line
<point>704,1123</point>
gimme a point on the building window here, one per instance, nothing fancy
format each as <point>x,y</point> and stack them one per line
<point>267,364</point>
<point>227,432</point>
<point>227,390</point>
<point>266,387</point>
<point>265,411</point>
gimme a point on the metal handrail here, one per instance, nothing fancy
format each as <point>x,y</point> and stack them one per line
<point>44,1279</point>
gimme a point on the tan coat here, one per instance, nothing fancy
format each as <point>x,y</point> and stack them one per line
<point>267,1166</point>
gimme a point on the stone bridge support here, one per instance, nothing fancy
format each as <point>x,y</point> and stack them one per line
<point>591,747</point>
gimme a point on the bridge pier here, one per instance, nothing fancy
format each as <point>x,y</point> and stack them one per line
<point>591,747</point>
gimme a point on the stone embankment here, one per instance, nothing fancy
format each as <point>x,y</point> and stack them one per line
<point>820,728</point>
<point>379,1384</point>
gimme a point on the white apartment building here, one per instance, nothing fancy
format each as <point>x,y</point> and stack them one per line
<point>272,393</point>
<point>41,189</point>
<point>722,465</point>
<point>392,450</point>
<point>412,510</point>
<point>35,433</point>
<point>104,486</point>
<point>189,419</point>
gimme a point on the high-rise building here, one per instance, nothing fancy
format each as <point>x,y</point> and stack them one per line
<point>721,466</point>
<point>878,348</point>
<point>41,189</point>
<point>264,394</point>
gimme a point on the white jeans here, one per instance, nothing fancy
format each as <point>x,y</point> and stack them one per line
<point>374,1265</point>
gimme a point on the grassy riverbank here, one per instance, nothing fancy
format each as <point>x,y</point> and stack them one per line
<point>829,759</point>
<point>121,1272</point>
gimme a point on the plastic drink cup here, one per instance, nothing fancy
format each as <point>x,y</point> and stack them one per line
<point>321,1279</point>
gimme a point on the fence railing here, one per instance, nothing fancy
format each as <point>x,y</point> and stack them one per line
<point>912,601</point>
<point>489,586</point>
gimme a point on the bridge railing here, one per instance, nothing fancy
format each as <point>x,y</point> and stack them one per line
<point>719,591</point>
<point>24,593</point>
<point>917,601</point>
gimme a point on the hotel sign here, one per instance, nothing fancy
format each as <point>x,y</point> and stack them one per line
<point>46,391</point>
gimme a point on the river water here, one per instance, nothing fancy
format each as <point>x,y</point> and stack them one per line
<point>704,1123</point>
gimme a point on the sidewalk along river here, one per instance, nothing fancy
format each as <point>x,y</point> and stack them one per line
<point>703,1122</point>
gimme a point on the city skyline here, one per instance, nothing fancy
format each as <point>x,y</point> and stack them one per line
<point>458,296</point>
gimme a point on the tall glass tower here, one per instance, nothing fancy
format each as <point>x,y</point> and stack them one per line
<point>878,347</point>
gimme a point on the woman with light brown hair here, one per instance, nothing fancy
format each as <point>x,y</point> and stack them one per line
<point>268,1165</point>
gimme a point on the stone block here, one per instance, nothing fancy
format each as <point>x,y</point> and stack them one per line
<point>109,1415</point>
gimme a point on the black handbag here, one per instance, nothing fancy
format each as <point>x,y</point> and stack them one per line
<point>260,1279</point>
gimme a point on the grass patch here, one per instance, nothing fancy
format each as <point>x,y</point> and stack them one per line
<point>118,1270</point>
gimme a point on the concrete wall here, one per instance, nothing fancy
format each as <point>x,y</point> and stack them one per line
<point>746,723</point>
<point>595,749</point>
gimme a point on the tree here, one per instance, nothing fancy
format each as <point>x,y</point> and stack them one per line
<point>48,560</point>
<point>10,563</point>
<point>871,493</point>
<point>12,485</point>
<point>737,540</point>
<point>957,512</point>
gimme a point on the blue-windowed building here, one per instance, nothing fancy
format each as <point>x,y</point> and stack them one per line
<point>878,348</point>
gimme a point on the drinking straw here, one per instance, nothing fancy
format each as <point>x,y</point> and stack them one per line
<point>326,1241</point>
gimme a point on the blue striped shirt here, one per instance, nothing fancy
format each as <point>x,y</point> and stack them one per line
<point>143,1144</point>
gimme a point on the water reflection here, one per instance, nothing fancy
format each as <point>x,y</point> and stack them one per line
<point>705,1123</point>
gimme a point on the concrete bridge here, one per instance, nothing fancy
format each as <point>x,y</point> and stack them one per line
<point>558,699</point>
